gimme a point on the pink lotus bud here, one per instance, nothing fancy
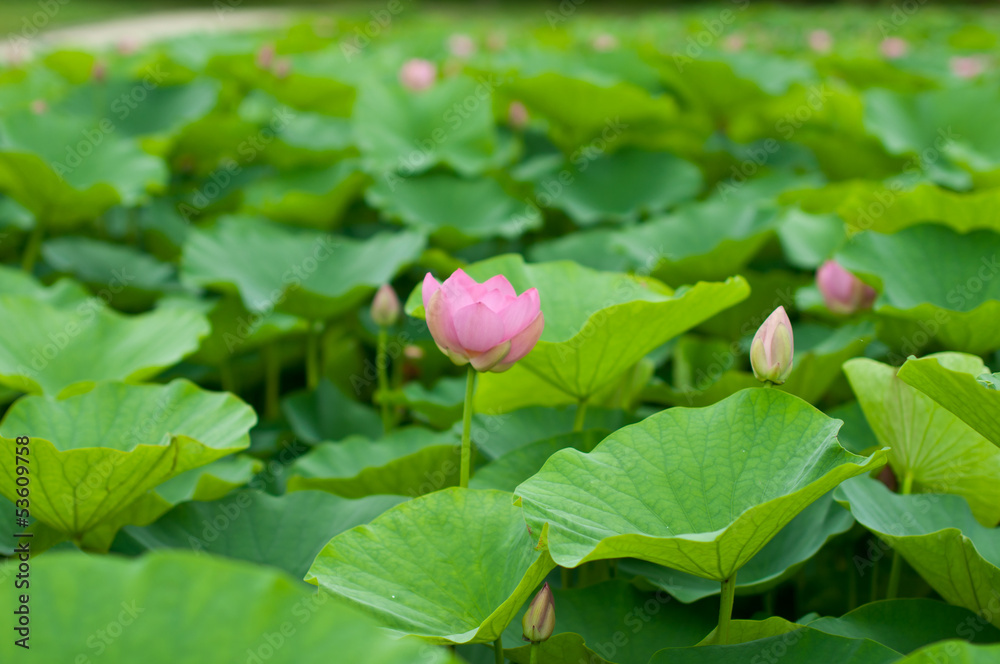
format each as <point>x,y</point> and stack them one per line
<point>821,41</point>
<point>282,68</point>
<point>772,349</point>
<point>265,56</point>
<point>842,292</point>
<point>540,618</point>
<point>415,353</point>
<point>385,307</point>
<point>517,115</point>
<point>967,66</point>
<point>486,324</point>
<point>604,42</point>
<point>127,46</point>
<point>734,43</point>
<point>417,74</point>
<point>38,106</point>
<point>99,72</point>
<point>894,47</point>
<point>461,46</point>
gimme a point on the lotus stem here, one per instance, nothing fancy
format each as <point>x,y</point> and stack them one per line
<point>33,247</point>
<point>470,390</point>
<point>381,360</point>
<point>272,380</point>
<point>726,609</point>
<point>312,356</point>
<point>533,654</point>
<point>498,650</point>
<point>581,415</point>
<point>897,561</point>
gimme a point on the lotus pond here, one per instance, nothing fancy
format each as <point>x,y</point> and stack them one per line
<point>542,335</point>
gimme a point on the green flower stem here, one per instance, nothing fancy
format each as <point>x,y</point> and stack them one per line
<point>533,653</point>
<point>470,390</point>
<point>581,415</point>
<point>897,562</point>
<point>33,247</point>
<point>381,360</point>
<point>312,356</point>
<point>272,380</point>
<point>726,609</point>
<point>498,650</point>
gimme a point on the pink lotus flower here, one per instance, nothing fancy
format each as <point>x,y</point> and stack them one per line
<point>127,45</point>
<point>417,74</point>
<point>517,115</point>
<point>773,348</point>
<point>38,106</point>
<point>461,46</point>
<point>967,66</point>
<point>282,68</point>
<point>486,324</point>
<point>265,56</point>
<point>842,292</point>
<point>99,72</point>
<point>894,47</point>
<point>821,41</point>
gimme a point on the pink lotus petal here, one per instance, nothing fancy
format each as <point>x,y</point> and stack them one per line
<point>478,328</point>
<point>501,284</point>
<point>428,289</point>
<point>522,343</point>
<point>441,323</point>
<point>520,313</point>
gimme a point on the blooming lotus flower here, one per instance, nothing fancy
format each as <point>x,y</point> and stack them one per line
<point>772,348</point>
<point>385,307</point>
<point>540,618</point>
<point>842,292</point>
<point>894,47</point>
<point>517,115</point>
<point>487,324</point>
<point>967,66</point>
<point>821,41</point>
<point>417,74</point>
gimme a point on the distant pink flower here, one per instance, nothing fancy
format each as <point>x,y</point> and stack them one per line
<point>99,72</point>
<point>821,41</point>
<point>38,106</point>
<point>486,324</point>
<point>461,46</point>
<point>127,46</point>
<point>604,42</point>
<point>265,56</point>
<point>418,74</point>
<point>842,292</point>
<point>496,41</point>
<point>517,115</point>
<point>969,66</point>
<point>282,68</point>
<point>894,47</point>
<point>734,42</point>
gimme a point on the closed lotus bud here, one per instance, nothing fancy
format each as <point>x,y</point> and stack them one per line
<point>461,46</point>
<point>486,324</point>
<point>265,56</point>
<point>415,353</point>
<point>540,618</point>
<point>417,74</point>
<point>893,47</point>
<point>282,68</point>
<point>385,307</point>
<point>517,115</point>
<point>842,292</point>
<point>604,42</point>
<point>772,349</point>
<point>821,41</point>
<point>99,73</point>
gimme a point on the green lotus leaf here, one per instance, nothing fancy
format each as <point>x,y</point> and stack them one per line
<point>809,239</point>
<point>326,414</point>
<point>635,495</point>
<point>281,531</point>
<point>621,186</point>
<point>235,329</point>
<point>183,608</point>
<point>51,351</point>
<point>591,621</point>
<point>303,273</point>
<point>210,482</point>
<point>498,434</point>
<point>65,293</point>
<point>454,211</point>
<point>908,624</point>
<point>954,652</point>
<point>938,536</point>
<point>794,544</point>
<point>955,305</point>
<point>957,390</point>
<point>930,448</point>
<point>411,461</point>
<point>315,198</point>
<point>581,350</point>
<point>440,406</point>
<point>409,570</point>
<point>95,454</point>
<point>513,468</point>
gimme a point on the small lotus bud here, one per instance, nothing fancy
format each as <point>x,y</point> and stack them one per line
<point>604,42</point>
<point>127,46</point>
<point>893,47</point>
<point>38,106</point>
<point>265,56</point>
<point>99,72</point>
<point>496,41</point>
<point>967,66</point>
<point>415,353</point>
<point>772,349</point>
<point>385,307</point>
<point>461,46</point>
<point>540,618</point>
<point>517,115</point>
<point>734,43</point>
<point>417,74</point>
<point>282,68</point>
<point>821,41</point>
<point>842,292</point>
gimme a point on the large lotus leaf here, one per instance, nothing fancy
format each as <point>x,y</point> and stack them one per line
<point>581,350</point>
<point>65,293</point>
<point>450,124</point>
<point>308,197</point>
<point>698,490</point>
<point>957,304</point>
<point>304,273</point>
<point>793,545</point>
<point>809,239</point>
<point>454,211</point>
<point>945,120</point>
<point>411,462</point>
<point>50,349</point>
<point>235,329</point>
<point>930,447</point>
<point>591,621</point>
<point>441,405</point>
<point>597,248</point>
<point>184,608</point>
<point>282,531</point>
<point>95,454</point>
<point>621,186</point>
<point>498,434</point>
<point>956,389</point>
<point>954,652</point>
<point>211,482</point>
<point>326,413</point>
<point>938,536</point>
<point>513,468</point>
<point>409,570</point>
<point>907,624</point>
<point>67,170</point>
